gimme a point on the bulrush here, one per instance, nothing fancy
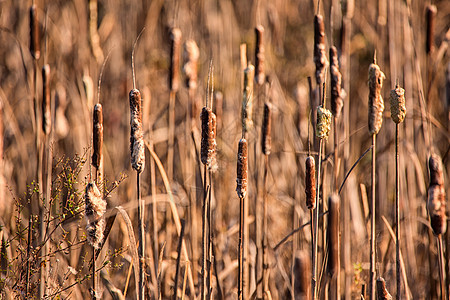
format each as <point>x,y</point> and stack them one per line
<point>208,144</point>
<point>46,110</point>
<point>302,272</point>
<point>376,104</point>
<point>337,94</point>
<point>175,47</point>
<point>35,39</point>
<point>436,196</point>
<point>94,211</point>
<point>247,98</point>
<point>383,293</point>
<point>97,138</point>
<point>190,57</point>
<point>136,135</point>
<point>266,141</point>
<point>398,106</point>
<point>320,56</point>
<point>242,168</point>
<point>431,11</point>
<point>310,182</point>
<point>333,235</point>
<point>259,55</point>
<point>323,122</point>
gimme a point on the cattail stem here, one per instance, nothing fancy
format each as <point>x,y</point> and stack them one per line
<point>372,221</point>
<point>141,238</point>
<point>265,266</point>
<point>94,293</point>
<point>154,211</point>
<point>171,136</point>
<point>336,153</point>
<point>441,266</point>
<point>397,213</point>
<point>241,239</point>
<point>204,235</point>
<point>316,224</point>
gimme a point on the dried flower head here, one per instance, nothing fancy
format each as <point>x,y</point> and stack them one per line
<point>436,203</point>
<point>97,137</point>
<point>242,168</point>
<point>337,96</point>
<point>247,98</point>
<point>137,134</point>
<point>323,122</point>
<point>376,103</point>
<point>46,108</point>
<point>431,11</point>
<point>35,39</point>
<point>208,144</point>
<point>383,293</point>
<point>94,211</point>
<point>310,182</point>
<point>398,105</point>
<point>320,56</point>
<point>175,47</point>
<point>191,55</point>
<point>302,275</point>
<point>266,140</point>
<point>436,170</point>
<point>333,264</point>
<point>259,55</point>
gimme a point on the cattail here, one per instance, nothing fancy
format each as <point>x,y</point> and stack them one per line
<point>175,47</point>
<point>247,98</point>
<point>94,211</point>
<point>46,110</point>
<point>242,169</point>
<point>208,145</point>
<point>259,55</point>
<point>137,134</point>
<point>333,234</point>
<point>398,106</point>
<point>376,104</point>
<point>266,140</point>
<point>382,292</point>
<point>97,136</point>
<point>323,122</point>
<point>61,122</point>
<point>337,99</point>
<point>302,275</point>
<point>310,182</point>
<point>320,56</point>
<point>35,39</point>
<point>191,55</point>
<point>431,11</point>
<point>436,204</point>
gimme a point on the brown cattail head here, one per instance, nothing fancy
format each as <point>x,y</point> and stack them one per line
<point>337,99</point>
<point>310,182</point>
<point>382,291</point>
<point>175,47</point>
<point>431,11</point>
<point>46,108</point>
<point>323,122</point>
<point>333,234</point>
<point>137,134</point>
<point>436,203</point>
<point>376,103</point>
<point>35,39</point>
<point>242,168</point>
<point>208,145</point>
<point>191,55</point>
<point>247,98</point>
<point>259,55</point>
<point>94,211</point>
<point>398,104</point>
<point>97,137</point>
<point>320,56</point>
<point>302,275</point>
<point>266,141</point>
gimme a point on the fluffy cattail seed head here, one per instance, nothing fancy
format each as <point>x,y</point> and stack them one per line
<point>137,134</point>
<point>431,11</point>
<point>208,145</point>
<point>191,55</point>
<point>247,98</point>
<point>333,234</point>
<point>302,274</point>
<point>259,55</point>
<point>320,56</point>
<point>97,137</point>
<point>398,104</point>
<point>376,103</point>
<point>382,292</point>
<point>94,211</point>
<point>242,168</point>
<point>46,109</point>
<point>323,122</point>
<point>266,141</point>
<point>436,203</point>
<point>35,39</point>
<point>175,47</point>
<point>337,99</point>
<point>310,182</point>
<point>436,170</point>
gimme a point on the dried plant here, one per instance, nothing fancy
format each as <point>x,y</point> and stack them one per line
<point>398,104</point>
<point>337,94</point>
<point>97,138</point>
<point>191,54</point>
<point>323,127</point>
<point>430,14</point>
<point>35,38</point>
<point>208,143</point>
<point>320,56</point>
<point>376,103</point>
<point>242,168</point>
<point>259,55</point>
<point>175,48</point>
<point>310,182</point>
<point>137,134</point>
<point>302,271</point>
<point>266,141</point>
<point>382,291</point>
<point>436,196</point>
<point>247,99</point>
<point>46,110</point>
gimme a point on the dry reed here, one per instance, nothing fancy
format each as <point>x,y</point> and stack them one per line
<point>259,55</point>
<point>208,142</point>
<point>323,127</point>
<point>430,15</point>
<point>191,54</point>
<point>35,38</point>
<point>398,105</point>
<point>137,134</point>
<point>97,139</point>
<point>247,100</point>
<point>266,141</point>
<point>46,110</point>
<point>436,196</point>
<point>310,182</point>
<point>337,97</point>
<point>383,293</point>
<point>94,211</point>
<point>320,56</point>
<point>175,48</point>
<point>302,271</point>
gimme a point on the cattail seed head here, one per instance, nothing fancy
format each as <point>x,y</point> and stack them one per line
<point>191,55</point>
<point>436,170</point>
<point>376,103</point>
<point>266,141</point>
<point>259,55</point>
<point>302,275</point>
<point>382,292</point>
<point>333,234</point>
<point>398,104</point>
<point>175,47</point>
<point>310,182</point>
<point>97,137</point>
<point>137,134</point>
<point>242,168</point>
<point>35,39</point>
<point>46,109</point>
<point>320,56</point>
<point>208,144</point>
<point>94,211</point>
<point>436,203</point>
<point>337,99</point>
<point>247,98</point>
<point>431,11</point>
<point>323,122</point>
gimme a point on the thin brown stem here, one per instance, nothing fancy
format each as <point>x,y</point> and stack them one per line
<point>265,266</point>
<point>141,240</point>
<point>316,224</point>
<point>441,266</point>
<point>93,292</point>
<point>397,213</point>
<point>372,221</point>
<point>204,236</point>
